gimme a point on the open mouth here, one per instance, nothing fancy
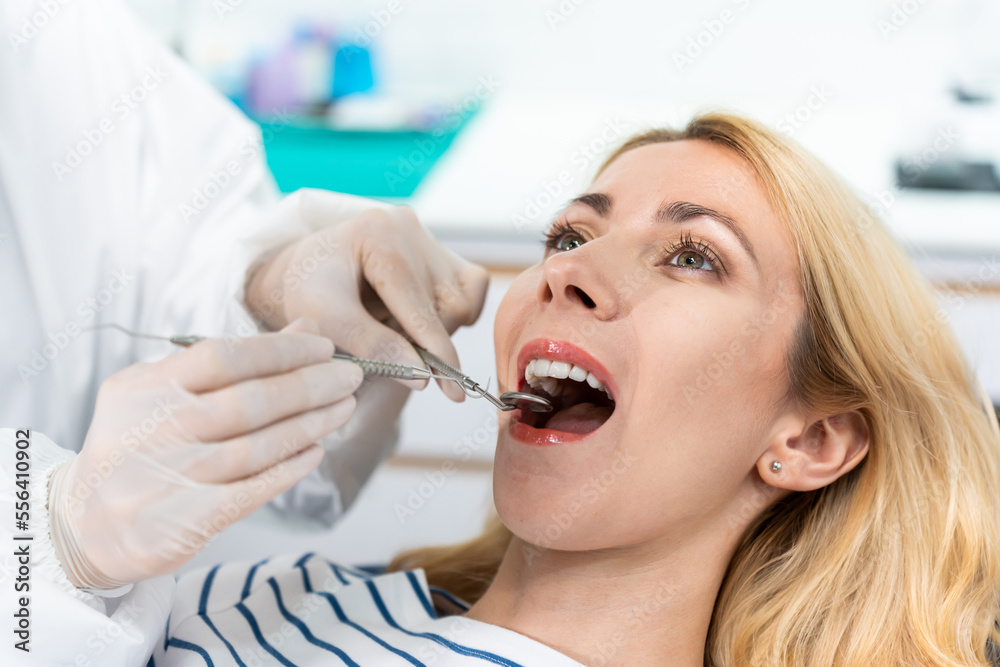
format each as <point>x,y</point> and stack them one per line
<point>581,402</point>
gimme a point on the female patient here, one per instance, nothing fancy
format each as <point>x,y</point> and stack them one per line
<point>767,449</point>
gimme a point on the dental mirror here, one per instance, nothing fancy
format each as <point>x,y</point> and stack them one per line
<point>530,402</point>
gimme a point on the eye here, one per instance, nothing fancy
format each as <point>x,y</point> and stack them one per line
<point>562,236</point>
<point>688,253</point>
<point>689,259</point>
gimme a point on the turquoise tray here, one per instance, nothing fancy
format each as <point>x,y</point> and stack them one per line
<point>370,164</point>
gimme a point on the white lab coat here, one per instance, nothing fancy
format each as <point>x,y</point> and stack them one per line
<point>132,192</point>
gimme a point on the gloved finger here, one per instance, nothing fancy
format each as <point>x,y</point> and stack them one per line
<point>252,493</point>
<point>245,407</point>
<point>249,454</point>
<point>473,281</point>
<point>302,325</point>
<point>459,295</point>
<point>410,298</point>
<point>360,334</point>
<point>322,208</point>
<point>218,362</point>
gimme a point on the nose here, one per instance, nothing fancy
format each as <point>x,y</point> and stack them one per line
<point>576,279</point>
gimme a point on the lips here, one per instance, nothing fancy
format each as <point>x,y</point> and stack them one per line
<point>580,421</point>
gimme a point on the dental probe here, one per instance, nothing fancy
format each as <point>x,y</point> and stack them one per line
<point>371,367</point>
<point>182,341</point>
<point>510,400</point>
<point>375,368</point>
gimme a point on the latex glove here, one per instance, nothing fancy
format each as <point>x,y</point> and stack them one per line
<point>354,277</point>
<point>182,448</point>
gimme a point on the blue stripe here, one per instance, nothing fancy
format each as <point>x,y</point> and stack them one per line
<point>150,663</point>
<point>336,571</point>
<point>232,651</point>
<point>249,581</point>
<point>242,608</point>
<point>346,621</point>
<point>180,643</point>
<point>360,574</point>
<point>205,588</point>
<point>166,634</point>
<point>457,648</point>
<point>305,630</point>
<point>420,594</point>
<point>203,613</point>
<point>448,596</point>
<point>301,563</point>
<point>357,573</point>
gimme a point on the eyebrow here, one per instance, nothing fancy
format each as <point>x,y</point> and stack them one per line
<point>678,211</point>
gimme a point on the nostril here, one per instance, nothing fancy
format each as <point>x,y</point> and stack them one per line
<point>587,301</point>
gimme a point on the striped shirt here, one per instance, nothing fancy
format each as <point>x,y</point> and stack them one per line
<point>305,610</point>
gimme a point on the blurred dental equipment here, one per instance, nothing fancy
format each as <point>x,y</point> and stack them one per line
<point>507,401</point>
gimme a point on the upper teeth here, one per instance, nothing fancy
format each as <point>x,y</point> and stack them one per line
<point>544,373</point>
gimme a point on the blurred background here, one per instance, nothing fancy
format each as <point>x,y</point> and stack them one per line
<point>488,117</point>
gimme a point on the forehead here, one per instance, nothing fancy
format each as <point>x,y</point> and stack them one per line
<point>643,179</point>
<point>681,170</point>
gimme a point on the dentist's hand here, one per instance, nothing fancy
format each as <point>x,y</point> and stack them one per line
<point>370,267</point>
<point>182,448</point>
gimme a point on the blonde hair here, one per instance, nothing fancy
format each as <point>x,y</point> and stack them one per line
<point>898,561</point>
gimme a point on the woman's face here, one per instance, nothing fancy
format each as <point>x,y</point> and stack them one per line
<point>673,284</point>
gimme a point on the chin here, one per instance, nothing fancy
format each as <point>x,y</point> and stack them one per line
<point>547,511</point>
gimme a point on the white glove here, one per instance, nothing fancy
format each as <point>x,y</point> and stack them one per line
<point>182,448</point>
<point>364,268</point>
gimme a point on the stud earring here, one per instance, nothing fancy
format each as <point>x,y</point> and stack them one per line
<point>776,466</point>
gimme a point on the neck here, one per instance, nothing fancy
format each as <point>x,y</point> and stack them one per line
<point>647,605</point>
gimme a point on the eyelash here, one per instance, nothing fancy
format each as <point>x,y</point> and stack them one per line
<point>560,229</point>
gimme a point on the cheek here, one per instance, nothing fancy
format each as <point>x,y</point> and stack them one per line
<point>510,317</point>
<point>711,357</point>
<point>710,376</point>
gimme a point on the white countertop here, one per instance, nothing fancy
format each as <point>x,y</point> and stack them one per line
<point>520,160</point>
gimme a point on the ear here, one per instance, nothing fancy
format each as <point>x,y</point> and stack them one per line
<point>815,452</point>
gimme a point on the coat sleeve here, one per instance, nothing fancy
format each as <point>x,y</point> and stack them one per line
<point>62,625</point>
<point>176,174</point>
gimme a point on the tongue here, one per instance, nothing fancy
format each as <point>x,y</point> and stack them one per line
<point>580,418</point>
